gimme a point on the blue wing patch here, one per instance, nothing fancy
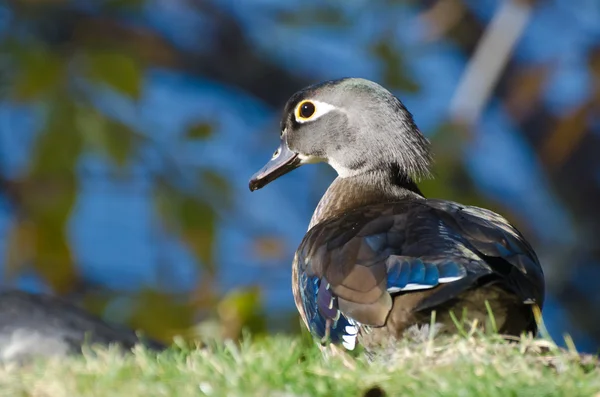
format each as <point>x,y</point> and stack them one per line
<point>320,308</point>
<point>409,274</point>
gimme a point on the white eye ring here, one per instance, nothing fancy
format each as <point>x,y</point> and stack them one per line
<point>321,108</point>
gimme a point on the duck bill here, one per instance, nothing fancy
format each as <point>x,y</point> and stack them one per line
<point>283,162</point>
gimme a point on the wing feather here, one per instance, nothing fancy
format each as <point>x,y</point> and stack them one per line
<point>351,266</point>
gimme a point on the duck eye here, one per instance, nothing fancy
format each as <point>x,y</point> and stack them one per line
<point>306,110</point>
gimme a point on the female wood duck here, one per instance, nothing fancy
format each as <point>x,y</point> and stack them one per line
<point>379,257</point>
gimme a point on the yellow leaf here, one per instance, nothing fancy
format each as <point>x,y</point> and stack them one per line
<point>161,316</point>
<point>197,221</point>
<point>241,309</point>
<point>115,69</point>
<point>199,131</point>
<point>120,142</point>
<point>192,219</point>
<point>52,257</point>
<point>108,136</point>
<point>48,204</point>
<point>57,149</point>
<point>20,245</point>
<point>216,185</point>
<point>39,72</point>
<point>201,243</point>
<point>394,71</point>
<point>49,193</point>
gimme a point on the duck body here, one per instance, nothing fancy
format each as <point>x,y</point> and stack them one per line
<point>379,257</point>
<point>373,266</point>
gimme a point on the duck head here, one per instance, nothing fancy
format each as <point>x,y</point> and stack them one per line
<point>354,125</point>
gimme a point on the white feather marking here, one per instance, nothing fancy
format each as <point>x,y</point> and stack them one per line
<point>351,329</point>
<point>321,108</point>
<point>343,172</point>
<point>449,279</point>
<point>414,287</point>
<point>349,341</point>
<point>305,159</point>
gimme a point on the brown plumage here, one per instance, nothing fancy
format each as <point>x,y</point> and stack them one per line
<point>379,257</point>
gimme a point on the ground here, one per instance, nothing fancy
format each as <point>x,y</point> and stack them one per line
<point>282,366</point>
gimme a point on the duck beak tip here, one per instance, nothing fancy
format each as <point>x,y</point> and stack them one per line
<point>284,162</point>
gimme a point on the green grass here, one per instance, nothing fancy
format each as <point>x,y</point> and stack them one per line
<point>285,366</point>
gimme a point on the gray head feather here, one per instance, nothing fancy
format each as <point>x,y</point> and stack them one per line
<point>369,129</point>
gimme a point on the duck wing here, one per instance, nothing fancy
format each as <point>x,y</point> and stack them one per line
<point>350,266</point>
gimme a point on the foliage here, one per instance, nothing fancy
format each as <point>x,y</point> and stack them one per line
<point>58,56</point>
<point>61,82</point>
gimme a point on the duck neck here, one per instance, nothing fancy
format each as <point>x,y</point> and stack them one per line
<point>370,187</point>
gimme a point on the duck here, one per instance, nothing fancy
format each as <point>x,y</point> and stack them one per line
<point>379,258</point>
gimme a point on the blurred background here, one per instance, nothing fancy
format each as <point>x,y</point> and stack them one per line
<point>129,130</point>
